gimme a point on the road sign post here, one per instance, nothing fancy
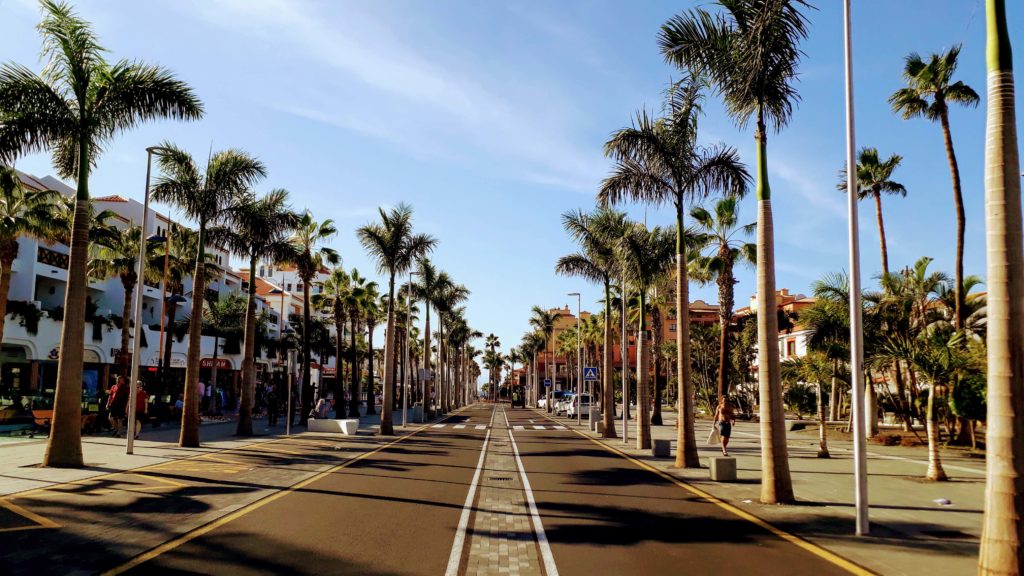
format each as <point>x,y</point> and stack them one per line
<point>590,373</point>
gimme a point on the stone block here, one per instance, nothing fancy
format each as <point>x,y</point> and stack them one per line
<point>661,448</point>
<point>332,426</point>
<point>723,469</point>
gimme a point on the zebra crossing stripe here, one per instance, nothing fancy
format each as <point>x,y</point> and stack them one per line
<point>438,426</point>
<point>518,427</point>
<point>538,427</point>
<point>481,427</point>
<point>559,427</point>
<point>459,426</point>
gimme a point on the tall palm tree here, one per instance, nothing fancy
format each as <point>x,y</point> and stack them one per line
<point>446,303</point>
<point>332,300</point>
<point>647,255</point>
<point>210,197</point>
<point>396,247</point>
<point>372,314</point>
<point>597,234</point>
<point>719,230</point>
<point>543,321</point>
<point>492,343</point>
<point>929,91</point>
<point>750,53</point>
<point>431,284</point>
<point>310,256</point>
<point>23,212</point>
<point>118,256</point>
<point>223,318</point>
<point>658,161</point>
<point>874,178</point>
<point>355,302</point>
<point>76,105</point>
<point>1001,536</point>
<point>532,343</point>
<point>258,232</point>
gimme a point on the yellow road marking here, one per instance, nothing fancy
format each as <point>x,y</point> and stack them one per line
<point>811,547</point>
<point>277,450</point>
<point>28,514</point>
<point>224,460</point>
<point>213,525</point>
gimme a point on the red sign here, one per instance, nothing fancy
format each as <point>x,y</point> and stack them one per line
<point>329,371</point>
<point>222,363</point>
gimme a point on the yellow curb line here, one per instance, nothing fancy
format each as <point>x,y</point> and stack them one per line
<point>40,520</point>
<point>811,547</point>
<point>214,524</point>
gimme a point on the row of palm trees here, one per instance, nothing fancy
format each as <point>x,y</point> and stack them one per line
<point>81,101</point>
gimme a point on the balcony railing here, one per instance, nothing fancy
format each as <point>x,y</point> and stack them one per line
<point>52,258</point>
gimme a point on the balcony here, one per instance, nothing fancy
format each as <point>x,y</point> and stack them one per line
<point>52,258</point>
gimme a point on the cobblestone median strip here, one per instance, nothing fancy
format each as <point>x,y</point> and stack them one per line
<point>502,538</point>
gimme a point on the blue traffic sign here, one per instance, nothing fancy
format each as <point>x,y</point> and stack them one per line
<point>590,373</point>
<point>547,382</point>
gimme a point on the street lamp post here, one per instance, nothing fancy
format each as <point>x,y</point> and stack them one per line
<point>407,381</point>
<point>133,384</point>
<point>624,348</point>
<point>856,330</point>
<point>292,353</point>
<point>579,363</point>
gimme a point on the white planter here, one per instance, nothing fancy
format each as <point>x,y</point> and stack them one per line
<point>348,426</point>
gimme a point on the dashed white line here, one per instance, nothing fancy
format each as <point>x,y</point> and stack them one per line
<point>542,539</point>
<point>459,426</point>
<point>438,426</point>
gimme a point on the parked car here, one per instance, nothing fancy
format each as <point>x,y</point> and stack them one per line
<point>562,406</point>
<point>555,397</point>
<point>579,404</point>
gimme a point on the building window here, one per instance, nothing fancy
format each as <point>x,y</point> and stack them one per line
<point>672,327</point>
<point>289,288</point>
<point>790,348</point>
<point>298,287</point>
<point>262,270</point>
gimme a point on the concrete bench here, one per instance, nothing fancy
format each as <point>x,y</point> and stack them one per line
<point>723,469</point>
<point>347,426</point>
<point>661,448</point>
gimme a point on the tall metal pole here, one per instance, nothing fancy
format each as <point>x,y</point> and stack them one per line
<point>624,348</point>
<point>579,362</point>
<point>163,303</point>
<point>133,384</point>
<point>408,373</point>
<point>291,384</point>
<point>856,331</point>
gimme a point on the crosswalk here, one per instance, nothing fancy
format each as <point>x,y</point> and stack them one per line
<point>517,428</point>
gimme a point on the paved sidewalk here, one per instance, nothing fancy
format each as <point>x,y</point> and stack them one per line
<point>911,533</point>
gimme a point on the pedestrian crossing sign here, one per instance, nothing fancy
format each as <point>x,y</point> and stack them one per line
<point>590,373</point>
<point>547,382</point>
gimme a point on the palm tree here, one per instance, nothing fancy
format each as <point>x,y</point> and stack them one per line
<point>259,232</point>
<point>77,104</point>
<point>874,179</point>
<point>332,299</point>
<point>929,91</point>
<point>647,255</point>
<point>596,261</point>
<point>543,321</point>
<point>531,343</point>
<point>719,230</point>
<point>355,303</point>
<point>23,212</point>
<point>1001,535</point>
<point>492,343</point>
<point>658,161</point>
<point>118,255</point>
<point>814,368</point>
<point>211,197</point>
<point>431,283</point>
<point>396,247</point>
<point>223,318</point>
<point>446,303</point>
<point>372,315</point>
<point>750,53</point>
<point>310,256</point>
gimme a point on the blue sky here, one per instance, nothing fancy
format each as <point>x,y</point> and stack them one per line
<point>489,117</point>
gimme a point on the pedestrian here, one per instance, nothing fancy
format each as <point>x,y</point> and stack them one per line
<point>272,408</point>
<point>201,389</point>
<point>725,417</point>
<point>117,402</point>
<point>515,398</point>
<point>141,408</point>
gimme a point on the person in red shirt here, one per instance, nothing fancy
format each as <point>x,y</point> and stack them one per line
<point>141,406</point>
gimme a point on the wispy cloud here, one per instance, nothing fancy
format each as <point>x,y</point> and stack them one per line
<point>429,102</point>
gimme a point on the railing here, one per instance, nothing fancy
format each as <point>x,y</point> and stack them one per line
<point>52,258</point>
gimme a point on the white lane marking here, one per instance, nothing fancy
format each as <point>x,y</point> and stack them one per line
<point>559,427</point>
<point>455,558</point>
<point>518,427</point>
<point>459,426</point>
<point>542,538</point>
<point>481,427</point>
<point>438,426</point>
<point>538,427</point>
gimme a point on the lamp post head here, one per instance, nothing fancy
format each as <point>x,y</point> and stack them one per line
<point>574,293</point>
<point>158,150</point>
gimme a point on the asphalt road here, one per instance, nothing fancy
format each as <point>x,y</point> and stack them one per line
<point>487,490</point>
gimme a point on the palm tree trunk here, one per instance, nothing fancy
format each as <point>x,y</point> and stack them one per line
<point>871,402</point>
<point>126,312</point>
<point>822,427</point>
<point>1001,536</point>
<point>776,483</point>
<point>881,233</point>
<point>244,427</point>
<point>935,471</point>
<point>643,380</point>
<point>726,282</point>
<point>958,200</point>
<point>427,364</point>
<point>608,370</point>
<point>686,454</point>
<point>833,402</point>
<point>189,437</point>
<point>172,311</point>
<point>386,427</point>
<point>213,376</point>
<point>306,391</point>
<point>369,371</point>
<point>64,446</point>
<point>339,373</point>
<point>353,385</point>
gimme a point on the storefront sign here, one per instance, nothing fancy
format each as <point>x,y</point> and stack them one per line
<point>329,371</point>
<point>222,363</point>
